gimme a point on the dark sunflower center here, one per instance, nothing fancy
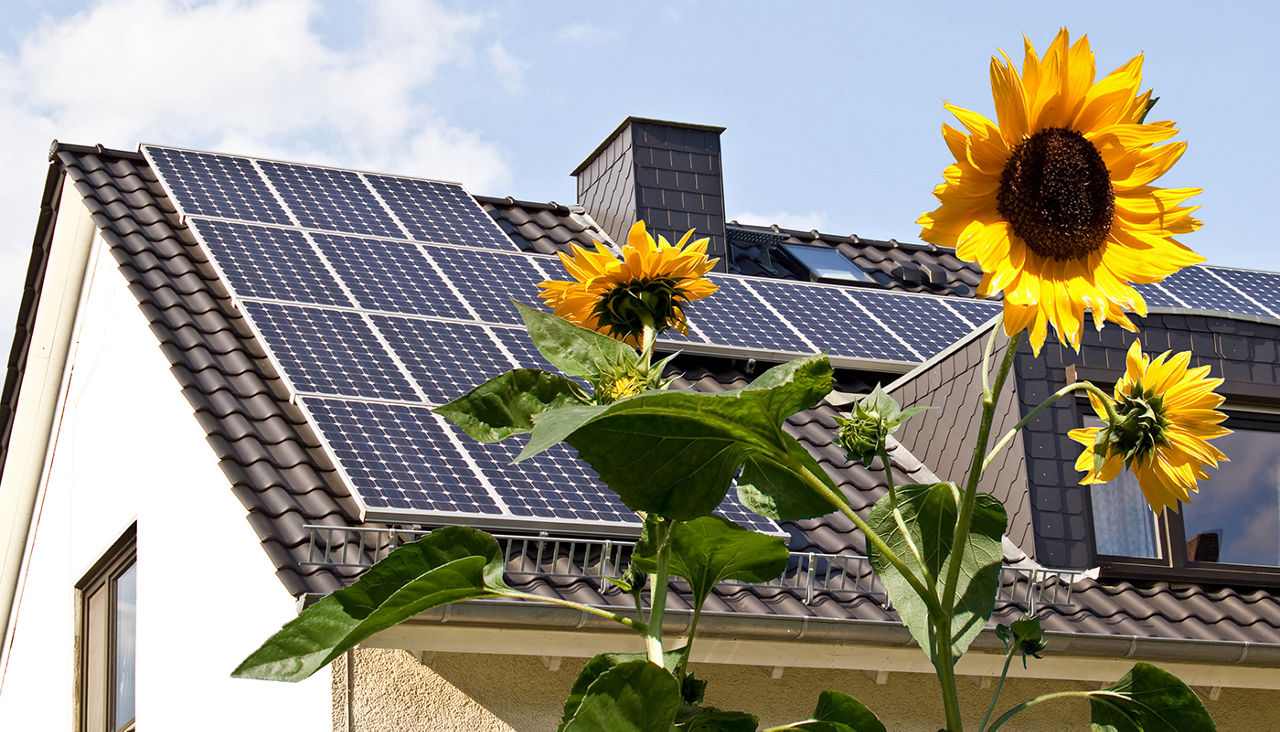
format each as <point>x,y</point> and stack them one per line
<point>1056,194</point>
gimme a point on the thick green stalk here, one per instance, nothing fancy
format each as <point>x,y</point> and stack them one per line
<point>658,592</point>
<point>1077,386</point>
<point>928,594</point>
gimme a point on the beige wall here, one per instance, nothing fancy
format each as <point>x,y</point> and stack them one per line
<point>393,692</point>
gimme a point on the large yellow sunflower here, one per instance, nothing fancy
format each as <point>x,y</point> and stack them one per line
<point>1055,202</point>
<point>1166,413</point>
<point>648,285</point>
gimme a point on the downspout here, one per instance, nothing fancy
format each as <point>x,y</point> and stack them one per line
<point>50,341</point>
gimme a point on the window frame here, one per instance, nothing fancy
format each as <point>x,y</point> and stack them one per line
<point>104,574</point>
<point>1173,565</point>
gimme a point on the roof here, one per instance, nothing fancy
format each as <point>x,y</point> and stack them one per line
<point>271,457</point>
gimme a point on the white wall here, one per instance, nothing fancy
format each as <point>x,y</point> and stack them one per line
<point>128,447</point>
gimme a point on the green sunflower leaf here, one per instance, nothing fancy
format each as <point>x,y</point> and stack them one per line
<point>675,453</point>
<point>448,565</point>
<point>710,549</point>
<point>506,405</point>
<point>839,712</point>
<point>577,351</point>
<point>1148,699</point>
<point>930,513</point>
<point>630,696</point>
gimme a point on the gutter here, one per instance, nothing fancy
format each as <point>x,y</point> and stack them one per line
<point>525,628</point>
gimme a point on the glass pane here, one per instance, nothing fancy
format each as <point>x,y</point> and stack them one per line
<point>1123,524</point>
<point>827,264</point>
<point>1236,516</point>
<point>126,632</point>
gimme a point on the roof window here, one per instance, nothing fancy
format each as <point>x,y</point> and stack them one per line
<point>827,265</point>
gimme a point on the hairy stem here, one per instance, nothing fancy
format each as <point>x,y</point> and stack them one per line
<point>658,591</point>
<point>1077,386</point>
<point>900,521</point>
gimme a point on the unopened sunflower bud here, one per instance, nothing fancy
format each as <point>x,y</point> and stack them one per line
<point>862,434</point>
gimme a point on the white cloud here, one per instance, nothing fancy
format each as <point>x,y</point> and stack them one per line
<point>509,68</point>
<point>585,33</point>
<point>247,77</point>
<point>804,221</point>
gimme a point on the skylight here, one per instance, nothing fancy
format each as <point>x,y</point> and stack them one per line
<point>827,265</point>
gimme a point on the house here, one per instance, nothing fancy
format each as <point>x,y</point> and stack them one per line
<point>215,412</point>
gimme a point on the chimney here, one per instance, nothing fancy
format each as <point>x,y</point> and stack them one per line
<point>667,173</point>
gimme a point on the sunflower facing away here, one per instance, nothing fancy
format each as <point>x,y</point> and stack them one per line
<point>649,284</point>
<point>1166,415</point>
<point>1055,203</point>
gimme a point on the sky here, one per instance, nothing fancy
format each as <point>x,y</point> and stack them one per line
<point>833,110</point>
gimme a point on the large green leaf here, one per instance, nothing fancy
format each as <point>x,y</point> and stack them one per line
<point>575,350</point>
<point>1148,699</point>
<point>709,549</point>
<point>675,453</point>
<point>839,712</point>
<point>448,565</point>
<point>633,696</point>
<point>775,490</point>
<point>929,512</point>
<point>506,405</point>
<point>710,719</point>
<point>597,666</point>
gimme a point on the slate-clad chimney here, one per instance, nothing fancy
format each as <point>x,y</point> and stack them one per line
<point>667,173</point>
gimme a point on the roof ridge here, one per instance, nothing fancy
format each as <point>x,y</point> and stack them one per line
<point>57,146</point>
<point>852,239</point>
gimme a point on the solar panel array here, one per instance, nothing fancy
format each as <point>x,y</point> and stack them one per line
<point>378,297</point>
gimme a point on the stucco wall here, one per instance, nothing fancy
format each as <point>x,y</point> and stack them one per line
<point>394,692</point>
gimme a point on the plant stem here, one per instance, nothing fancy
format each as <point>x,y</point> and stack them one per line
<point>945,667</point>
<point>688,646</point>
<point>1004,673</point>
<point>647,339</point>
<point>629,622</point>
<point>1100,696</point>
<point>1077,386</point>
<point>658,591</point>
<point>926,593</point>
<point>900,521</point>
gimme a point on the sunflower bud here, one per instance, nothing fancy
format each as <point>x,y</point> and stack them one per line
<point>863,433</point>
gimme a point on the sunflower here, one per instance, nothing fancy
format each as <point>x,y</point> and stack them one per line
<point>1166,413</point>
<point>1055,202</point>
<point>649,285</point>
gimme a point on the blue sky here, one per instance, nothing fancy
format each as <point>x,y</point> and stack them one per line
<point>832,110</point>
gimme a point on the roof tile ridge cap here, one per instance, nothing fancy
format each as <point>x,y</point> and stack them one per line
<point>57,146</point>
<point>853,238</point>
<point>512,201</point>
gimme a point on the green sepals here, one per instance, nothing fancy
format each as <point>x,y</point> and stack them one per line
<point>624,693</point>
<point>603,663</point>
<point>1025,635</point>
<point>1148,699</point>
<point>571,348</point>
<point>930,513</point>
<point>692,718</point>
<point>625,309</point>
<point>692,689</point>
<point>876,416</point>
<point>710,549</point>
<point>448,565</point>
<point>1151,103</point>
<point>674,453</point>
<point>506,405</point>
<point>839,712</point>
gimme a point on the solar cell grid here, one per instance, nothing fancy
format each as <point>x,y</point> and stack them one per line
<point>490,280</point>
<point>552,485</point>
<point>204,184</point>
<point>266,262</point>
<point>832,322</point>
<point>1200,289</point>
<point>328,352</point>
<point>1156,297</point>
<point>1261,286</point>
<point>446,359</point>
<point>976,312</point>
<point>399,457</point>
<point>440,212</point>
<point>330,200</point>
<point>922,322</point>
<point>736,317</point>
<point>390,276</point>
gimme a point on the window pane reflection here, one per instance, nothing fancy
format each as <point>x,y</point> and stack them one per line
<point>126,632</point>
<point>1236,516</point>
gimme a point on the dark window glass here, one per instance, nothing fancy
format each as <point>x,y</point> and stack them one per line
<point>1236,516</point>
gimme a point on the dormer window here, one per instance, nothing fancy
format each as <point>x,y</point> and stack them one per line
<point>827,265</point>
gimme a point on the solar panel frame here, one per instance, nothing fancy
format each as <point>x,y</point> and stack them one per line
<point>434,211</point>
<point>268,262</point>
<point>446,359</point>
<point>330,199</point>
<point>241,193</point>
<point>921,321</point>
<point>837,325</point>
<point>392,276</point>
<point>487,280</point>
<point>736,316</point>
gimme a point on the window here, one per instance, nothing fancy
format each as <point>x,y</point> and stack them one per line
<point>107,599</point>
<point>1228,533</point>
<point>827,265</point>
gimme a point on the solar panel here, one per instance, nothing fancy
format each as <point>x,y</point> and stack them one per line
<point>439,212</point>
<point>923,322</point>
<point>204,184</point>
<point>1157,297</point>
<point>1200,289</point>
<point>330,200</point>
<point>446,359</point>
<point>976,312</point>
<point>490,280</point>
<point>332,352</point>
<point>267,262</point>
<point>400,457</point>
<point>1263,287</point>
<point>390,276</point>
<point>553,484</point>
<point>735,316</point>
<point>833,322</point>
